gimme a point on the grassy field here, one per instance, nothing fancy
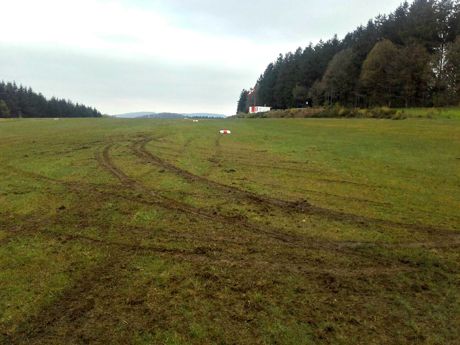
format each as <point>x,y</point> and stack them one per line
<point>286,232</point>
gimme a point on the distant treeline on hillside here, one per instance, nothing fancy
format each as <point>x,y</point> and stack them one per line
<point>18,101</point>
<point>408,58</point>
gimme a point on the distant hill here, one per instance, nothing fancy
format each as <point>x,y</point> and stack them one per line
<point>133,115</point>
<point>165,115</point>
<point>205,115</point>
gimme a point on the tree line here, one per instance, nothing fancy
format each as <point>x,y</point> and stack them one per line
<point>19,101</point>
<point>410,57</point>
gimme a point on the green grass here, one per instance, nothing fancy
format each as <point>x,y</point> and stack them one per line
<point>289,231</point>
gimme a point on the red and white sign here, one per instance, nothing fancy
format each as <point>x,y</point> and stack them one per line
<point>255,110</point>
<point>225,131</point>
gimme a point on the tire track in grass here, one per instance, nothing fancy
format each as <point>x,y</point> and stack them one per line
<point>73,314</point>
<point>141,194</point>
<point>171,204</point>
<point>216,156</point>
<point>64,318</point>
<point>67,317</point>
<point>241,221</point>
<point>201,253</point>
<point>140,150</point>
<point>139,147</point>
<point>202,249</point>
<point>138,195</point>
<point>450,238</point>
<point>92,288</point>
<point>212,254</point>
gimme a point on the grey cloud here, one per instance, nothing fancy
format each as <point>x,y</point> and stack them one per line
<point>293,20</point>
<point>107,82</point>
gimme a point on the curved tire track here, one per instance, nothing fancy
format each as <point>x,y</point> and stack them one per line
<point>277,234</point>
<point>171,204</point>
<point>140,150</point>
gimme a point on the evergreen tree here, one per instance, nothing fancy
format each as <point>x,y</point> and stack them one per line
<point>317,93</point>
<point>453,73</point>
<point>418,38</point>
<point>395,27</point>
<point>286,81</point>
<point>415,75</point>
<point>422,25</point>
<point>243,102</point>
<point>300,96</point>
<point>4,110</point>
<point>340,77</point>
<point>379,75</point>
<point>267,82</point>
<point>24,102</point>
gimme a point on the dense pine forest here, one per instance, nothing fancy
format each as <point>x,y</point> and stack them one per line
<point>408,58</point>
<point>19,101</point>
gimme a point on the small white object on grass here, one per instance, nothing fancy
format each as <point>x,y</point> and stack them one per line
<point>225,131</point>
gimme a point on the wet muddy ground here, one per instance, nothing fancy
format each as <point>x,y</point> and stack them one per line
<point>167,233</point>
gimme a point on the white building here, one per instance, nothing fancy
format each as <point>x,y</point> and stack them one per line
<point>255,110</point>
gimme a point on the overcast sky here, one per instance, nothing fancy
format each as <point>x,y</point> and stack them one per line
<point>151,55</point>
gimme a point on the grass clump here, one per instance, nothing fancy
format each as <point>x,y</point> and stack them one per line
<point>338,111</point>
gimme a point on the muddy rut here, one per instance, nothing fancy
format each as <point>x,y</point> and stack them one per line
<point>139,148</point>
<point>450,239</point>
<point>93,289</point>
